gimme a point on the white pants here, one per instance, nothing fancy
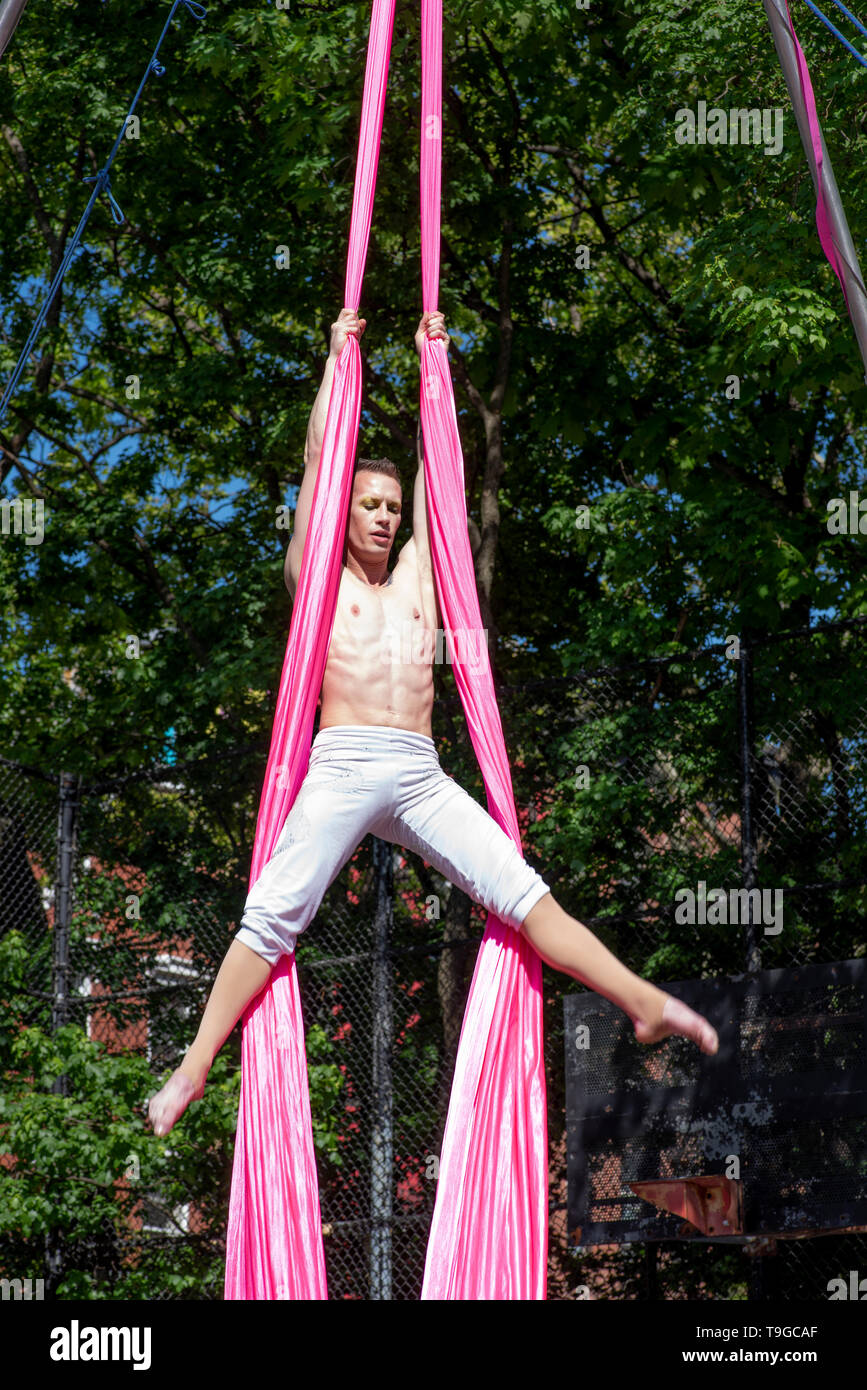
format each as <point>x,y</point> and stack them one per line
<point>371,779</point>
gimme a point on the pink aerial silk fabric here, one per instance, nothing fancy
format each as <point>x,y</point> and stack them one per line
<point>489,1236</point>
<point>274,1236</point>
<point>489,1233</point>
<point>823,219</point>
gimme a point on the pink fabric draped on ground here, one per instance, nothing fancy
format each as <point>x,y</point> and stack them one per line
<point>489,1232</point>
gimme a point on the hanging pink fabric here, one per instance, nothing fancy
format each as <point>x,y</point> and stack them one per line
<point>489,1234</point>
<point>274,1237</point>
<point>823,220</point>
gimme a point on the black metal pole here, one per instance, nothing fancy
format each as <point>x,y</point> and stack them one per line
<point>756,1283</point>
<point>749,851</point>
<point>66,834</point>
<point>382,1138</point>
<point>66,839</point>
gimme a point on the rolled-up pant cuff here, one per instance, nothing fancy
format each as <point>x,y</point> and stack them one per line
<point>270,949</point>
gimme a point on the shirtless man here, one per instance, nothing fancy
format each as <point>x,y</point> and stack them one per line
<point>374,768</point>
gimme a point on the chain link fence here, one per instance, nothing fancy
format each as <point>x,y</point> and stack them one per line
<point>633,788</point>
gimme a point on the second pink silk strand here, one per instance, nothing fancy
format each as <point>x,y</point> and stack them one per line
<point>489,1233</point>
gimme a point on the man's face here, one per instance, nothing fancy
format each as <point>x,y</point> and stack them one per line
<point>374,515</point>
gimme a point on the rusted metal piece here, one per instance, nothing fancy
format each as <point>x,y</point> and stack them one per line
<point>711,1203</point>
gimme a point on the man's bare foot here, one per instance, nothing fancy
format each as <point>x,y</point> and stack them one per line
<point>169,1104</point>
<point>678,1018</point>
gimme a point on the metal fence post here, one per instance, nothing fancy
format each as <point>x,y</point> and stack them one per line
<point>749,875</point>
<point>749,851</point>
<point>68,803</point>
<point>66,835</point>
<point>382,1137</point>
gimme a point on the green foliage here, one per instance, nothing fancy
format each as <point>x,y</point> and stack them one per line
<point>326,1087</point>
<point>161,509</point>
<point>79,1166</point>
<point>155,600</point>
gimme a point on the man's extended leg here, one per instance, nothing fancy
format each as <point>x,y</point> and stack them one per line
<point>439,820</point>
<point>331,814</point>
<point>568,945</point>
<point>242,975</point>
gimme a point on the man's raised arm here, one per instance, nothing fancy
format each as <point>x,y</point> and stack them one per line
<point>347,323</point>
<point>420,532</point>
<point>431,326</point>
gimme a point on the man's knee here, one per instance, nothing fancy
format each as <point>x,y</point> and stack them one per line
<point>271,945</point>
<point>540,911</point>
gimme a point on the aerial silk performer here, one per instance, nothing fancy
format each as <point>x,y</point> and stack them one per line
<point>489,1233</point>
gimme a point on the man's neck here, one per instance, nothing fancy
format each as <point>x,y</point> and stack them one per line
<point>374,579</point>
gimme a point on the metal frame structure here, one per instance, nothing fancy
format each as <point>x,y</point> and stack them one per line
<point>824,183</point>
<point>10,13</point>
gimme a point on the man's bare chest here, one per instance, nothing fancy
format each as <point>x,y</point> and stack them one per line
<point>379,622</point>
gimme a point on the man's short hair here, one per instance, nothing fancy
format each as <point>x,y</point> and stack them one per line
<point>378,466</point>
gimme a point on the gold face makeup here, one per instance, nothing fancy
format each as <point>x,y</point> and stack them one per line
<point>393,507</point>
